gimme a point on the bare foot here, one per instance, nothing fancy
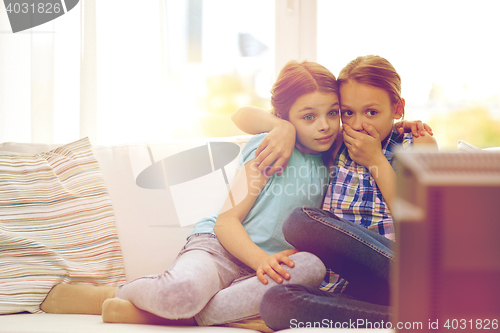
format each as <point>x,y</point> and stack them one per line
<point>77,298</point>
<point>116,310</point>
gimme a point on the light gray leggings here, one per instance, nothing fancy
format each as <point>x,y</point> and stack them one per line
<point>207,282</point>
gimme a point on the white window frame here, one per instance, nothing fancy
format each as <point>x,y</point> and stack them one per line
<point>295,31</point>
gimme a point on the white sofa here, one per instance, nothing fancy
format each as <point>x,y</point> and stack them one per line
<point>147,222</point>
<point>152,224</point>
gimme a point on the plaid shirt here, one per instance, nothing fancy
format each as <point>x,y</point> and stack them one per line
<point>354,195</point>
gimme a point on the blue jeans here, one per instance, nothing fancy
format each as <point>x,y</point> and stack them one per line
<point>357,254</point>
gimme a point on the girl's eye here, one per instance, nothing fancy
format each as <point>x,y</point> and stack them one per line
<point>371,112</point>
<point>333,113</point>
<point>346,113</point>
<point>308,117</point>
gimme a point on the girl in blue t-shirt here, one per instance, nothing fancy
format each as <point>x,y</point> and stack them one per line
<point>233,257</point>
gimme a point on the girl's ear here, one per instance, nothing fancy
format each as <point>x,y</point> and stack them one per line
<point>400,109</point>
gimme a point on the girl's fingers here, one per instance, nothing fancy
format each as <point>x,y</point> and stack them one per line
<point>285,258</point>
<point>428,129</point>
<point>266,158</point>
<point>275,169</point>
<point>280,165</point>
<point>280,272</point>
<point>273,275</point>
<point>348,129</point>
<point>262,155</point>
<point>261,277</point>
<point>348,140</point>
<point>261,147</point>
<point>266,164</point>
<point>371,130</point>
<point>417,127</point>
<point>287,261</point>
<point>351,134</point>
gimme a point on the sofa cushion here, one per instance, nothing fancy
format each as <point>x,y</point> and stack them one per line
<point>56,225</point>
<point>73,323</point>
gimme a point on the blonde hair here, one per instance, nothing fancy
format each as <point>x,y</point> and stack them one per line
<point>297,79</point>
<point>374,71</point>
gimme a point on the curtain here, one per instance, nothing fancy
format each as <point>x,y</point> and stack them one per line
<point>97,71</point>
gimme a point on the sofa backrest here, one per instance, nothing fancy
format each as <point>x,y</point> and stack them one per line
<point>154,220</point>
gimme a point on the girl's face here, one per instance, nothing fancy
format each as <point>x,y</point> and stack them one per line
<point>363,103</point>
<point>316,119</point>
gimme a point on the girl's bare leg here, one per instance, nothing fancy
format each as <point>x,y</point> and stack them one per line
<point>116,310</point>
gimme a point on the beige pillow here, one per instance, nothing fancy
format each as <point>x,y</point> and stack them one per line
<point>56,225</point>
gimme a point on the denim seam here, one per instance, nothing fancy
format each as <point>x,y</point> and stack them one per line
<point>350,234</point>
<point>361,309</point>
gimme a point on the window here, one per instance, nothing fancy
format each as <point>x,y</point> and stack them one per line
<point>122,72</point>
<point>219,56</point>
<point>445,52</point>
<point>179,69</point>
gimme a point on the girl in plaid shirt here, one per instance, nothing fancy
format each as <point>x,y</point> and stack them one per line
<point>354,232</point>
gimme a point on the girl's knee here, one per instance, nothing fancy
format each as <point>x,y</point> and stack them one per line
<point>294,225</point>
<point>271,307</point>
<point>308,269</point>
<point>272,298</point>
<point>297,215</point>
<point>282,303</point>
<point>183,299</point>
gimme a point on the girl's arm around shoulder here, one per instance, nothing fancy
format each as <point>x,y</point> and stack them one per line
<point>246,187</point>
<point>253,120</point>
<point>277,146</point>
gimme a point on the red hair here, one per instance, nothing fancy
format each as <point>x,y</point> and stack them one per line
<point>374,71</point>
<point>297,79</point>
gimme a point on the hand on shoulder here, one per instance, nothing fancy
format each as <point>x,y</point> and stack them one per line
<point>416,127</point>
<point>277,147</point>
<point>425,140</point>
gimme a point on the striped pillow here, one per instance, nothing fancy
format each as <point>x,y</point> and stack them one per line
<point>56,225</point>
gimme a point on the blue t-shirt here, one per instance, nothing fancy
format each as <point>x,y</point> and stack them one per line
<point>302,183</point>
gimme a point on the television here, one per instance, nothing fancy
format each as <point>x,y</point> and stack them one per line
<point>446,272</point>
